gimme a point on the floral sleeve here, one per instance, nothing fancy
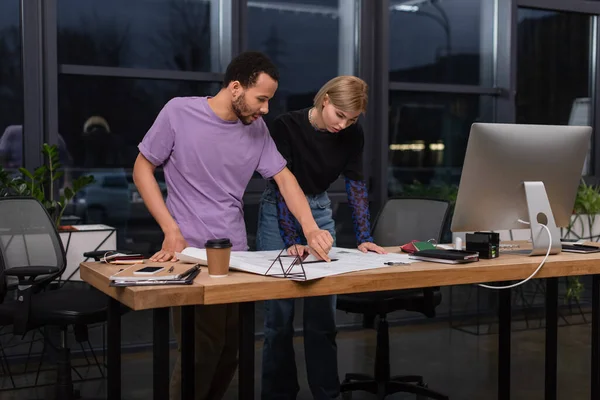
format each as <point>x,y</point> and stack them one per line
<point>287,222</point>
<point>359,203</point>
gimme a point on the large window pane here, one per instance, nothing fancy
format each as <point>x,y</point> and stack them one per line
<point>102,120</point>
<point>428,136</point>
<point>11,86</point>
<point>163,34</point>
<point>553,66</point>
<point>302,38</point>
<point>553,83</point>
<point>441,41</point>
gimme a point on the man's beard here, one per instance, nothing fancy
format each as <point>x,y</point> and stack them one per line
<point>240,109</point>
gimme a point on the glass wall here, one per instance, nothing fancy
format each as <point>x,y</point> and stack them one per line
<point>11,86</point>
<point>428,134</point>
<point>553,70</point>
<point>163,34</point>
<point>441,42</point>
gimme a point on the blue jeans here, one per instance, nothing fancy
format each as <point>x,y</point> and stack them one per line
<point>279,375</point>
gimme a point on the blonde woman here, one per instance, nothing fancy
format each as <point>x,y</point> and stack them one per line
<point>320,143</point>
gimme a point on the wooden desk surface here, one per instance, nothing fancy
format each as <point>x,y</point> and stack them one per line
<point>241,287</point>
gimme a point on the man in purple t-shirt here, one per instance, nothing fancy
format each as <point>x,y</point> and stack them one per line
<point>209,149</point>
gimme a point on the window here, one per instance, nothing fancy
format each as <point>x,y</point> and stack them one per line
<point>302,37</point>
<point>441,42</point>
<point>428,136</point>
<point>162,34</point>
<point>553,79</point>
<point>11,86</point>
<point>102,120</point>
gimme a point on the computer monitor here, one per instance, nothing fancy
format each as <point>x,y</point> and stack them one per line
<point>527,172</point>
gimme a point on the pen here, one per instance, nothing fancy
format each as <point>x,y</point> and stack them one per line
<point>397,263</point>
<point>318,261</point>
<point>189,271</point>
<point>171,269</point>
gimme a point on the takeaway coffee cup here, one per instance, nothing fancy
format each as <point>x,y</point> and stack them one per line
<point>218,253</point>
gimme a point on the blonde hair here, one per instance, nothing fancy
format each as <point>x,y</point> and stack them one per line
<point>346,93</point>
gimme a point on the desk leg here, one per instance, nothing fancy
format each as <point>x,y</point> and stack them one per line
<point>551,337</point>
<point>595,337</point>
<point>504,322</point>
<point>113,326</point>
<point>160,361</point>
<point>246,368</point>
<point>188,384</point>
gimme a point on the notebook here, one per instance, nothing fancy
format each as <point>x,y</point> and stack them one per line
<point>188,280</point>
<point>579,248</point>
<point>446,256</point>
<point>169,272</point>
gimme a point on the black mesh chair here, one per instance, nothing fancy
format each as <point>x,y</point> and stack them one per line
<point>32,254</point>
<point>400,221</point>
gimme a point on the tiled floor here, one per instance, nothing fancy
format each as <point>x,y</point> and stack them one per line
<point>459,364</point>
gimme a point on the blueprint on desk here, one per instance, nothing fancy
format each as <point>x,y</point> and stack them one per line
<point>347,260</point>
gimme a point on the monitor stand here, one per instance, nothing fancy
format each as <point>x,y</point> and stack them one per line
<point>540,212</point>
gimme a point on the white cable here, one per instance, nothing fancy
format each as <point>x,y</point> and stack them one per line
<point>534,272</point>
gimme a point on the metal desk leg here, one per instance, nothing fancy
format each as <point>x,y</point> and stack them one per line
<point>595,337</point>
<point>504,322</point>
<point>551,337</point>
<point>113,327</point>
<point>188,351</point>
<point>246,368</point>
<point>161,353</point>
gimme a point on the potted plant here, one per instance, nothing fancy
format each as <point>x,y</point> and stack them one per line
<point>41,184</point>
<point>584,222</point>
<point>585,225</point>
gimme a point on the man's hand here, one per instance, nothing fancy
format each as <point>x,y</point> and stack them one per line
<point>320,242</point>
<point>368,246</point>
<point>174,242</point>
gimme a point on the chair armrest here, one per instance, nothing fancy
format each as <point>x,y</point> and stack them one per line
<point>32,271</point>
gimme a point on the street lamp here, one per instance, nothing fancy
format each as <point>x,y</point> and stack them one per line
<point>415,7</point>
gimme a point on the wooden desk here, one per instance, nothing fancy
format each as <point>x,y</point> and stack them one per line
<point>246,288</point>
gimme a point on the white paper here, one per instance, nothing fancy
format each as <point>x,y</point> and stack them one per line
<point>192,255</point>
<point>259,262</point>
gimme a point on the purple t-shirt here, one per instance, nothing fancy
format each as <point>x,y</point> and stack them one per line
<point>208,163</point>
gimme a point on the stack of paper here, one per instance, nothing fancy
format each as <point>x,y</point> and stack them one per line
<point>259,262</point>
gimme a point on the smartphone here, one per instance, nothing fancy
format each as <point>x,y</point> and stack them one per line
<point>148,270</point>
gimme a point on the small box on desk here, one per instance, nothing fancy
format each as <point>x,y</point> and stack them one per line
<point>486,243</point>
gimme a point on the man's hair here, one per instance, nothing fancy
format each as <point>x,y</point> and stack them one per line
<point>246,68</point>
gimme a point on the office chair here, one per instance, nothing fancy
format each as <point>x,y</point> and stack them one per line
<point>400,221</point>
<point>32,253</point>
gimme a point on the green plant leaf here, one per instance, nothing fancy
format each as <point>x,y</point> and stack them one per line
<point>69,193</point>
<point>26,173</point>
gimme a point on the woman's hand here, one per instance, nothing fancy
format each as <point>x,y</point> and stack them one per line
<point>297,250</point>
<point>369,246</point>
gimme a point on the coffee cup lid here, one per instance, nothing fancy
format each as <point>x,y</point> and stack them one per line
<point>218,243</point>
